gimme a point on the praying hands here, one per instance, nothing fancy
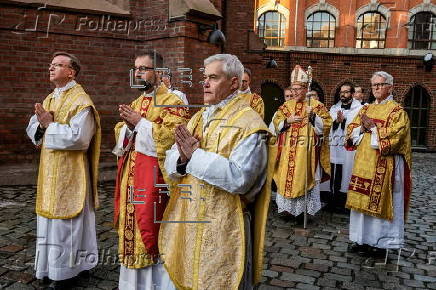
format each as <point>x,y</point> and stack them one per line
<point>186,143</point>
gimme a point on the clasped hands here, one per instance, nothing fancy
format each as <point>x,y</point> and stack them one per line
<point>366,124</point>
<point>340,117</point>
<point>44,117</point>
<point>295,119</point>
<point>129,116</point>
<point>186,143</point>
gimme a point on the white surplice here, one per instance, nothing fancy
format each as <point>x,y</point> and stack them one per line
<point>376,232</point>
<point>65,247</point>
<point>338,153</point>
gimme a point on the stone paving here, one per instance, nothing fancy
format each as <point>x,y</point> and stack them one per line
<point>315,258</point>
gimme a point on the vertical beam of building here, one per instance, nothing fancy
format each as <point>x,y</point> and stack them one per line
<point>347,23</point>
<point>299,22</point>
<point>397,34</point>
<point>295,24</point>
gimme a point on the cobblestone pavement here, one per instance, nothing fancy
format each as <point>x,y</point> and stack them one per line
<point>295,258</point>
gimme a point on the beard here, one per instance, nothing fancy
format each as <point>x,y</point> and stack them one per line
<point>346,100</point>
<point>146,85</point>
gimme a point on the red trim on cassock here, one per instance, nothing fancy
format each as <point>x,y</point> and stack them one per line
<point>145,170</point>
<point>120,165</point>
<point>407,187</point>
<point>282,139</point>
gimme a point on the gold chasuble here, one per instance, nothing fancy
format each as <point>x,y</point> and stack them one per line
<point>62,178</point>
<point>131,248</point>
<point>371,184</point>
<point>255,101</point>
<point>202,241</point>
<point>291,158</point>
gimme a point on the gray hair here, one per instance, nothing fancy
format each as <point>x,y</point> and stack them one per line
<point>388,78</point>
<point>232,66</point>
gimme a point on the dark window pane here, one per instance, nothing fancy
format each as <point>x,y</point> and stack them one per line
<point>422,27</point>
<point>415,118</point>
<point>416,96</point>
<point>424,118</point>
<point>416,104</point>
<point>422,137</point>
<point>414,137</point>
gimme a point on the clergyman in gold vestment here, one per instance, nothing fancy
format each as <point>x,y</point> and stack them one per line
<point>380,185</point>
<point>144,135</point>
<point>290,124</point>
<point>67,128</point>
<point>254,100</point>
<point>220,163</point>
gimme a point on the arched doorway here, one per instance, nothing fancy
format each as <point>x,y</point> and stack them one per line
<point>416,104</point>
<point>272,96</point>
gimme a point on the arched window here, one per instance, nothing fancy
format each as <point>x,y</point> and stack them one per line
<point>320,29</point>
<point>271,28</point>
<point>371,30</point>
<point>416,104</point>
<point>273,98</point>
<point>422,31</point>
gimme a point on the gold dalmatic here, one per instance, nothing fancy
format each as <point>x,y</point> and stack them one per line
<point>371,184</point>
<point>291,157</point>
<point>202,239</point>
<point>131,249</point>
<point>255,101</point>
<point>62,178</point>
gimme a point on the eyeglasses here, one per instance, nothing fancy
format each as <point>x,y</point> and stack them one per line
<point>58,65</point>
<point>296,89</point>
<point>344,92</point>
<point>142,68</point>
<point>379,85</point>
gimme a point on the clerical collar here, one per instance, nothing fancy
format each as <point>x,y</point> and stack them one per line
<point>346,106</point>
<point>389,98</point>
<point>58,91</point>
<point>247,91</point>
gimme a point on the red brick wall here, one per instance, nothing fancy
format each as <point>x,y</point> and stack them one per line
<point>106,58</point>
<point>329,70</point>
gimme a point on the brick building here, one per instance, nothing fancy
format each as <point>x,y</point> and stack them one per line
<point>344,41</point>
<point>341,40</point>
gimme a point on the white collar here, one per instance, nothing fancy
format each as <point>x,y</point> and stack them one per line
<point>58,91</point>
<point>389,98</point>
<point>247,91</point>
<point>210,110</point>
<point>151,94</point>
